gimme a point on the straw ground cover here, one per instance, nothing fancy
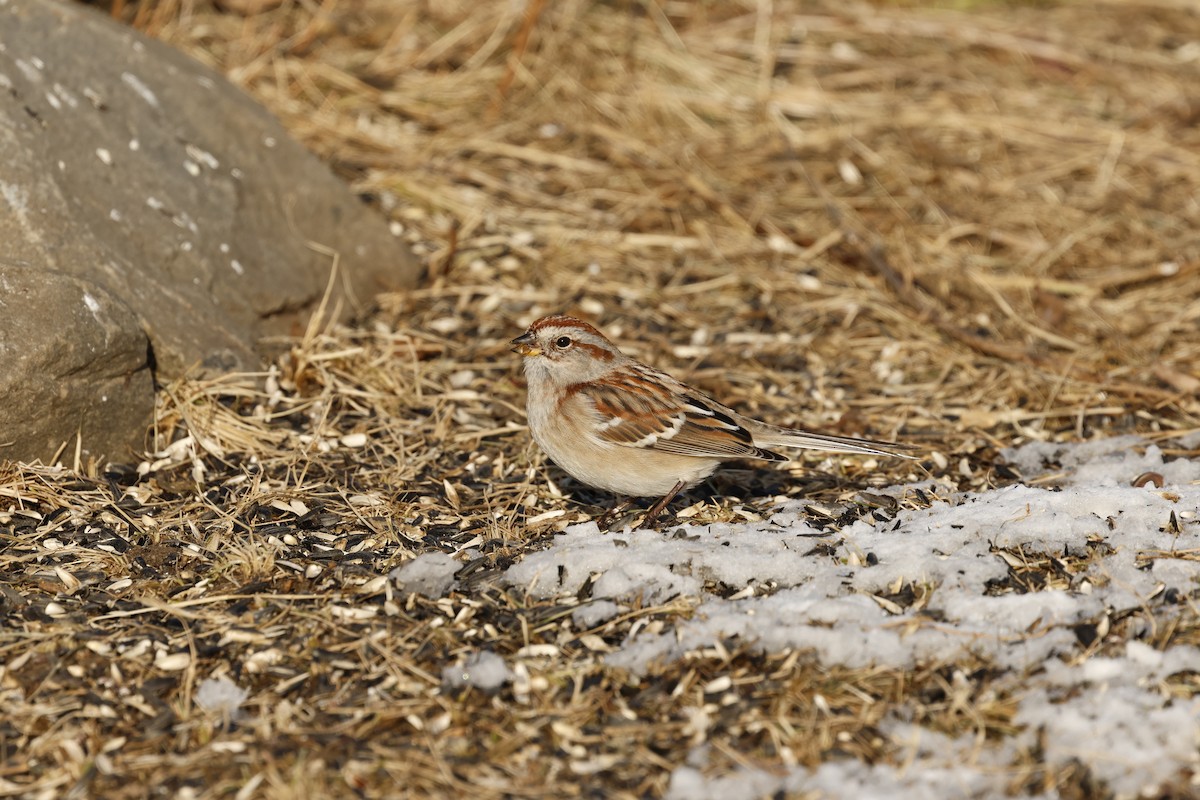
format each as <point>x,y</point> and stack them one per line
<point>965,228</point>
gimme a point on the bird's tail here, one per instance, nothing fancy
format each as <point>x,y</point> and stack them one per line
<point>772,436</point>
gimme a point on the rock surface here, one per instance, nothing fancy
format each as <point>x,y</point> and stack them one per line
<point>94,383</point>
<point>175,202</point>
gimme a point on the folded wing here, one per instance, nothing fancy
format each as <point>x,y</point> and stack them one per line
<point>647,411</point>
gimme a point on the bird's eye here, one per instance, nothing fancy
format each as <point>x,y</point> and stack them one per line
<point>562,342</point>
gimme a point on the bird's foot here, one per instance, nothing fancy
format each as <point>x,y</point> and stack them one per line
<point>607,521</point>
<point>653,513</point>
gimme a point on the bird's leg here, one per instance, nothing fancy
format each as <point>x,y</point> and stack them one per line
<point>610,516</point>
<point>657,508</point>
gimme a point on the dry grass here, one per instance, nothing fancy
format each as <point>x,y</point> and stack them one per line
<point>962,228</point>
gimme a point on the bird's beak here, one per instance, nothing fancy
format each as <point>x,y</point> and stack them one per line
<point>523,345</point>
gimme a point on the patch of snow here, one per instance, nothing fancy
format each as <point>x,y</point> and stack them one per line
<point>220,696</point>
<point>834,779</point>
<point>787,585</point>
<point>597,612</point>
<point>483,670</point>
<point>429,574</point>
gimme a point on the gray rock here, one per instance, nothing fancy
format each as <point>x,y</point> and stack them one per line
<point>165,189</point>
<point>87,357</point>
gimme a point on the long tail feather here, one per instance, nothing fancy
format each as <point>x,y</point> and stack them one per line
<point>771,436</point>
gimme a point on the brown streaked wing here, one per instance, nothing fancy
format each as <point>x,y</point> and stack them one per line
<point>709,430</point>
<point>652,416</point>
<point>646,412</point>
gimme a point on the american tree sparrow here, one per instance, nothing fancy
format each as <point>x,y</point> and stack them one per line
<point>618,425</point>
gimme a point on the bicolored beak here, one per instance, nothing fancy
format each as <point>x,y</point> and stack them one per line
<point>523,345</point>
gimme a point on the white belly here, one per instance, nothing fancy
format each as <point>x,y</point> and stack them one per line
<point>623,470</point>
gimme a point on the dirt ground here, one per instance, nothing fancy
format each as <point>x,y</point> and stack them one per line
<point>962,226</point>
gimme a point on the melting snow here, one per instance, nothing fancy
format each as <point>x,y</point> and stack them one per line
<point>1111,713</point>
